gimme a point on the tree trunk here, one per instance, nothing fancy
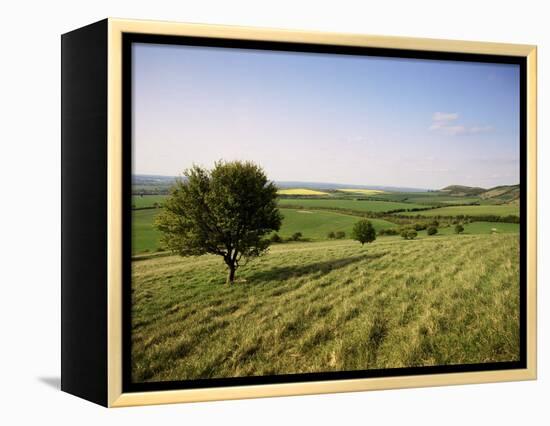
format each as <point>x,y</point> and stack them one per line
<point>231,274</point>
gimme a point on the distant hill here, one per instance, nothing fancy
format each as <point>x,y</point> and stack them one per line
<point>503,193</point>
<point>500,194</point>
<point>461,190</point>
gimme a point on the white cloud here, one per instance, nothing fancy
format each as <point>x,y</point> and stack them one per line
<point>444,122</point>
<point>444,116</point>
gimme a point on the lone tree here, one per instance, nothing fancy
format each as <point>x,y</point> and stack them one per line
<point>364,232</point>
<point>226,211</point>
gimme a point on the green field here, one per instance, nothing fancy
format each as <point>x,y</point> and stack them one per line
<point>145,238</point>
<point>141,201</point>
<point>476,228</point>
<point>349,204</point>
<point>497,210</point>
<point>313,224</point>
<point>316,224</point>
<point>328,306</point>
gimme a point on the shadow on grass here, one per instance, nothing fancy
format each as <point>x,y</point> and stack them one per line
<point>317,268</point>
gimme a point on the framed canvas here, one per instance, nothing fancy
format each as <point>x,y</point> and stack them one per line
<point>255,212</point>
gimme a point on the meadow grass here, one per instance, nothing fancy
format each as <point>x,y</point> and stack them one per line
<point>328,306</point>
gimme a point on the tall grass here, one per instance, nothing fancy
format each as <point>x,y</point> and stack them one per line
<point>328,306</point>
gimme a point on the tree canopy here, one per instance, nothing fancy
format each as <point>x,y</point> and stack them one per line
<point>363,231</point>
<point>227,211</point>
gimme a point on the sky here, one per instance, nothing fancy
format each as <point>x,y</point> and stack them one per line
<point>344,119</point>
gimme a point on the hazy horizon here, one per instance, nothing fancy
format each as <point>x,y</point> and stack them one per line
<point>324,118</point>
<point>287,181</point>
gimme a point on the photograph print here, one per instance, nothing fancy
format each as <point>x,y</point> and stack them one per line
<point>301,215</point>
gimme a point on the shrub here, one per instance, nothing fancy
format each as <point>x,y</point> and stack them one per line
<point>389,231</point>
<point>459,229</point>
<point>409,233</point>
<point>276,238</point>
<point>340,235</point>
<point>296,236</point>
<point>419,226</point>
<point>432,230</point>
<point>331,235</point>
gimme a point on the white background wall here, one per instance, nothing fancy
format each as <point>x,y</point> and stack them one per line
<point>30,181</point>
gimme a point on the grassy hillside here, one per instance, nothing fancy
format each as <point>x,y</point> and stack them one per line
<point>461,190</point>
<point>506,194</point>
<point>328,306</point>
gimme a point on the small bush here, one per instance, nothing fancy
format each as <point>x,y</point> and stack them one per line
<point>419,226</point>
<point>297,236</point>
<point>331,235</point>
<point>340,235</point>
<point>412,234</point>
<point>432,230</point>
<point>459,229</point>
<point>276,238</point>
<point>409,233</point>
<point>391,231</point>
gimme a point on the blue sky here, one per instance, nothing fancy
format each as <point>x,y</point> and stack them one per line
<point>326,118</point>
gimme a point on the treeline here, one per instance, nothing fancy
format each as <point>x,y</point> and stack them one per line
<point>410,232</point>
<point>297,236</point>
<point>472,218</point>
<point>154,191</point>
<point>351,212</point>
